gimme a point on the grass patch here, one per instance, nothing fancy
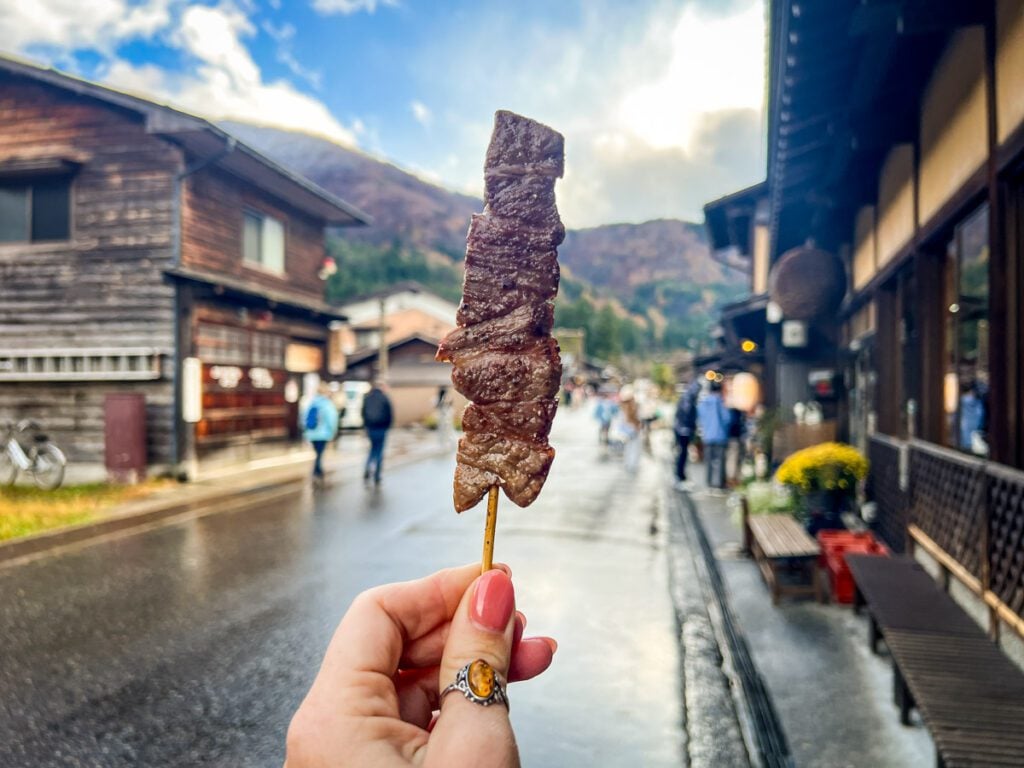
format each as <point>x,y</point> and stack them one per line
<point>25,510</point>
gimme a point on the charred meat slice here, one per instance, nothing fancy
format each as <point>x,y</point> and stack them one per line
<point>491,290</point>
<point>529,200</point>
<point>522,146</point>
<point>511,236</point>
<point>471,485</point>
<point>531,373</point>
<point>506,267</point>
<point>521,466</point>
<point>514,330</point>
<point>525,421</point>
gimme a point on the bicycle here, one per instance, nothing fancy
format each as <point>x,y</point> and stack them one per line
<point>43,460</point>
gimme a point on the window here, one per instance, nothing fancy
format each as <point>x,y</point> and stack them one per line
<point>223,344</point>
<point>35,211</point>
<point>966,382</point>
<point>263,241</point>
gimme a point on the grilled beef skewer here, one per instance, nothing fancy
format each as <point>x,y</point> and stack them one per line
<point>504,358</point>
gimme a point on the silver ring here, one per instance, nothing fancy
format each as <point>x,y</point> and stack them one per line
<point>479,683</point>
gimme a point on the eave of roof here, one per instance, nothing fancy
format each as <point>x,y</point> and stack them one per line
<point>407,286</point>
<point>370,353</point>
<point>844,82</point>
<point>301,304</point>
<point>203,138</point>
<point>719,215</point>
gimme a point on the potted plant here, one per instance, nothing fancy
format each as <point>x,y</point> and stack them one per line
<point>824,479</point>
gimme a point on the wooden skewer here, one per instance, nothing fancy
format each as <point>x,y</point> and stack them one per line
<point>492,522</point>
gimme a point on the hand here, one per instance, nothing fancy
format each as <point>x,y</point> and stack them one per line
<point>398,645</point>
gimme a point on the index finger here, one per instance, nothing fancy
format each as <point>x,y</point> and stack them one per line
<point>383,620</point>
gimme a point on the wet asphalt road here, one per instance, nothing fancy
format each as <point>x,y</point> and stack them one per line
<point>192,644</point>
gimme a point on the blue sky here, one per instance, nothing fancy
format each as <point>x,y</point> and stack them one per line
<point>659,100</point>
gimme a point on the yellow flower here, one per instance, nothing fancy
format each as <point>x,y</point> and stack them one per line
<point>827,466</point>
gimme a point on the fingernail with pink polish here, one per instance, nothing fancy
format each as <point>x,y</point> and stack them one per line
<point>493,601</point>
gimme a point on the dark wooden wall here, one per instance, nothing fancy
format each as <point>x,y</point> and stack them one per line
<point>105,286</point>
<point>72,413</point>
<point>212,211</point>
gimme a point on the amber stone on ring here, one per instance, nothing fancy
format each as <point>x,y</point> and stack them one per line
<point>481,679</point>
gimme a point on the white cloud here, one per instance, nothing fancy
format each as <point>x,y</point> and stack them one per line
<point>227,83</point>
<point>661,111</point>
<point>421,112</point>
<point>284,35</point>
<point>280,34</point>
<point>213,35</point>
<point>347,7</point>
<point>61,24</point>
<point>715,64</point>
<point>220,78</point>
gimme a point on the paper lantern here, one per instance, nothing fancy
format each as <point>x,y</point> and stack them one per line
<point>807,282</point>
<point>950,393</point>
<point>744,392</point>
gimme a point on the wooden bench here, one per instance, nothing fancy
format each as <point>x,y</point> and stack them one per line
<point>969,694</point>
<point>778,543</point>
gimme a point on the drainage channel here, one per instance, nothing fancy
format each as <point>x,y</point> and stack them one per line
<point>761,727</point>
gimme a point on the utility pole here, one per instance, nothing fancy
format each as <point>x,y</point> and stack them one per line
<point>382,353</point>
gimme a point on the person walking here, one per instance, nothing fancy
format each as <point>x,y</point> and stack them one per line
<point>445,427</point>
<point>604,411</point>
<point>320,425</point>
<point>630,427</point>
<point>683,425</point>
<point>713,419</point>
<point>377,418</point>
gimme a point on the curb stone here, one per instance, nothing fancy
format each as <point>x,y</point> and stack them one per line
<point>762,732</point>
<point>714,736</point>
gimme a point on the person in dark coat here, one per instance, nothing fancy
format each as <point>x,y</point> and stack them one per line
<point>684,425</point>
<point>377,419</point>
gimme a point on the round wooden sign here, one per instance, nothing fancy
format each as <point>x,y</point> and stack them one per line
<point>807,283</point>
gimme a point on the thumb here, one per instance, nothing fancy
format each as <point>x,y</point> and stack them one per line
<point>467,733</point>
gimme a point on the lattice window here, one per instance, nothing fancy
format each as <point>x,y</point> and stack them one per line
<point>224,344</point>
<point>268,350</point>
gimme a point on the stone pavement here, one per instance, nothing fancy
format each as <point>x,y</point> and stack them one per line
<point>832,696</point>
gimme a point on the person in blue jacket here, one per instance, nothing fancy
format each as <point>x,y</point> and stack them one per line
<point>713,419</point>
<point>320,425</point>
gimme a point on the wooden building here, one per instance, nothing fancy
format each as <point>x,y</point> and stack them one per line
<point>414,321</point>
<point>896,143</point>
<point>144,250</point>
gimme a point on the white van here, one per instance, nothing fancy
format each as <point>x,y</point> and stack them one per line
<point>354,392</point>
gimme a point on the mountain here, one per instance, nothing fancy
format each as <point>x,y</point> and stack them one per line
<point>654,284</point>
<point>624,256</point>
<point>403,206</point>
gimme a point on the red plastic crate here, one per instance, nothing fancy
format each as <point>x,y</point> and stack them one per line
<point>842,586</point>
<point>842,540</point>
<point>835,545</point>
